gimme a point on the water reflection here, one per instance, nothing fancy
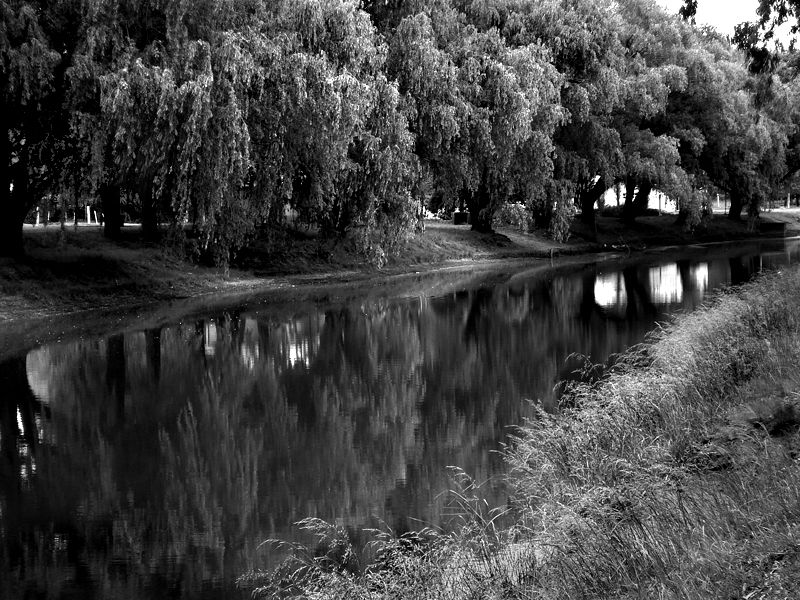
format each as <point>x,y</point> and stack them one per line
<point>153,463</point>
<point>699,275</point>
<point>609,291</point>
<point>666,286</point>
<point>641,290</point>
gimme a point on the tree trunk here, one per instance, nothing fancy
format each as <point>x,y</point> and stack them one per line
<point>641,199</point>
<point>112,215</point>
<point>586,203</point>
<point>149,213</point>
<point>10,224</point>
<point>17,202</point>
<point>737,204</point>
<point>628,214</point>
<point>62,230</point>
<point>76,198</point>
<point>588,196</point>
<point>11,231</point>
<point>481,221</point>
<point>479,204</point>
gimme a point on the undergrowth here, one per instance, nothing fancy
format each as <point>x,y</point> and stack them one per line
<point>674,476</point>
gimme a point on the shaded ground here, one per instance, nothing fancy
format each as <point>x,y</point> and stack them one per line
<point>663,231</point>
<point>86,272</point>
<point>789,216</point>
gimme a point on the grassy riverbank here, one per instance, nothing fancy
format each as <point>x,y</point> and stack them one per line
<point>676,476</point>
<point>83,271</point>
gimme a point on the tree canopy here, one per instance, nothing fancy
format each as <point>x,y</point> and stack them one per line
<point>218,121</point>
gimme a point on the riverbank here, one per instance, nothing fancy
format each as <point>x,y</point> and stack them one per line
<point>85,272</point>
<point>676,476</point>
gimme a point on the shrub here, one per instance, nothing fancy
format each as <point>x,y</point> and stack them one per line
<point>513,214</point>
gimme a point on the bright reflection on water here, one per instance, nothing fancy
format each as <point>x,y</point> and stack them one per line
<point>666,286</point>
<point>609,291</point>
<point>152,464</point>
<point>699,274</point>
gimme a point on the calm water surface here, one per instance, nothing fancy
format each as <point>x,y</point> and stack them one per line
<point>152,464</point>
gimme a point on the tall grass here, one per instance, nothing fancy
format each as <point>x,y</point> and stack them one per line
<point>674,476</point>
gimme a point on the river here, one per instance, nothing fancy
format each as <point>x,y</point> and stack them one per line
<point>152,463</point>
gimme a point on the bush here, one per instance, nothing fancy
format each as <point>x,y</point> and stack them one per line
<point>513,214</point>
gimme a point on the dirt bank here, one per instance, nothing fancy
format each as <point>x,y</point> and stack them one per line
<point>84,272</point>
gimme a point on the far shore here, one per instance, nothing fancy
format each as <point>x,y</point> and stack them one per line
<point>90,279</point>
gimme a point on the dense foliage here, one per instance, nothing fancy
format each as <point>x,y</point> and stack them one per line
<point>222,120</point>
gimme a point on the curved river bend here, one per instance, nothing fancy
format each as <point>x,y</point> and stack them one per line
<point>152,464</point>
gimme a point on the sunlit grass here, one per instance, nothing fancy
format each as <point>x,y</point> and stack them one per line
<point>675,476</point>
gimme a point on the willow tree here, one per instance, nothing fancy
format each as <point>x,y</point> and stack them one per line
<point>789,105</point>
<point>759,139</point>
<point>513,96</point>
<point>161,94</point>
<point>755,156</point>
<point>733,126</point>
<point>103,43</point>
<point>215,116</point>
<point>656,44</point>
<point>614,82</point>
<point>583,37</point>
<point>328,139</point>
<point>483,111</point>
<point>175,111</point>
<point>697,117</point>
<point>30,89</point>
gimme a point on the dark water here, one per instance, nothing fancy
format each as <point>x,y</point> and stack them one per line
<point>152,464</point>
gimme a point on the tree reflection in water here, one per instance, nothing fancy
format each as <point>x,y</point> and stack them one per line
<point>153,463</point>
